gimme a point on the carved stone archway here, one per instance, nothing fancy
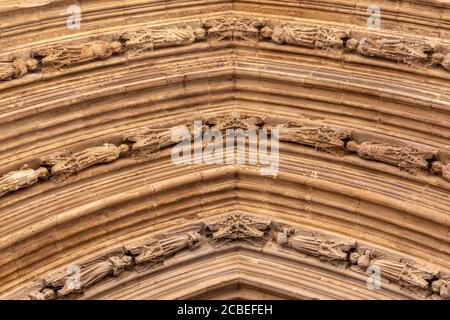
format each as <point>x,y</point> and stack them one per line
<point>87,177</point>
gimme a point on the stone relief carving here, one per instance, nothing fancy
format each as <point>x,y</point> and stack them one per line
<point>441,288</point>
<point>17,68</point>
<point>304,36</point>
<point>408,274</point>
<point>61,56</point>
<point>147,39</point>
<point>392,48</point>
<point>233,28</point>
<point>64,164</point>
<point>238,228</point>
<point>442,169</point>
<point>321,138</point>
<point>442,59</point>
<point>59,286</point>
<point>159,250</point>
<point>326,249</point>
<point>408,158</point>
<point>235,120</point>
<point>23,178</point>
<point>146,142</point>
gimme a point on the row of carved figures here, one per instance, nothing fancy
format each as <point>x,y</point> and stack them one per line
<point>238,228</point>
<point>147,142</point>
<point>395,48</point>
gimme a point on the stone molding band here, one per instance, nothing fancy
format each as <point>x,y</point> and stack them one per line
<point>242,229</point>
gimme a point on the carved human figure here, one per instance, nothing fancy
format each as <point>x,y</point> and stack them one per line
<point>64,164</point>
<point>235,120</point>
<point>408,158</point>
<point>159,250</point>
<point>322,138</point>
<point>405,273</point>
<point>60,56</point>
<point>17,68</point>
<point>394,49</point>
<point>442,169</point>
<point>23,178</point>
<point>96,155</point>
<point>146,39</point>
<point>43,294</point>
<point>304,36</point>
<point>442,59</point>
<point>314,245</point>
<point>233,28</point>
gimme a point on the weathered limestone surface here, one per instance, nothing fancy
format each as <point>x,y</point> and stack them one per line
<point>88,186</point>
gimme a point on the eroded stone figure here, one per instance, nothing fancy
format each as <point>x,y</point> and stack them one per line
<point>238,227</point>
<point>60,56</point>
<point>305,36</point>
<point>323,248</point>
<point>442,288</point>
<point>235,120</point>
<point>404,273</point>
<point>96,155</point>
<point>442,169</point>
<point>23,178</point>
<point>157,251</point>
<point>394,49</point>
<point>322,138</point>
<point>442,59</point>
<point>408,158</point>
<point>17,68</point>
<point>64,164</point>
<point>61,286</point>
<point>146,39</point>
<point>233,28</point>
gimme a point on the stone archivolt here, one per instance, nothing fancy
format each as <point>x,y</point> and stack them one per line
<point>145,143</point>
<point>239,229</point>
<point>400,49</point>
<point>363,117</point>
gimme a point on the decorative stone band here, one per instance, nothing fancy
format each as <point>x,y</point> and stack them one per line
<point>146,143</point>
<point>242,229</point>
<point>406,49</point>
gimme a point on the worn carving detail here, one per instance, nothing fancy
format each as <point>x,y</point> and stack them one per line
<point>235,120</point>
<point>233,28</point>
<point>409,158</point>
<point>17,68</point>
<point>304,36</point>
<point>408,274</point>
<point>442,169</point>
<point>23,178</point>
<point>238,228</point>
<point>89,275</point>
<point>442,288</point>
<point>394,48</point>
<point>147,39</point>
<point>61,56</point>
<point>441,59</point>
<point>148,141</point>
<point>65,164</point>
<point>309,243</point>
<point>322,138</point>
<point>61,286</point>
<point>159,250</point>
